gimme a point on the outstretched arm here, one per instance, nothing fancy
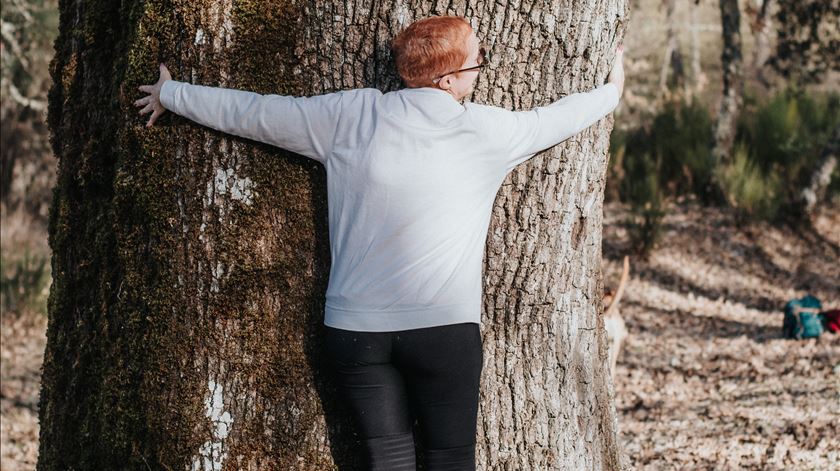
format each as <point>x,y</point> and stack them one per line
<point>569,116</point>
<point>540,128</point>
<point>304,125</point>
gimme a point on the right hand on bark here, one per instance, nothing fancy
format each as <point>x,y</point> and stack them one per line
<point>152,102</point>
<point>617,73</point>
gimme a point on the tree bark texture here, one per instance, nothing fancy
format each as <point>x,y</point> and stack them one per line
<point>733,81</point>
<point>186,311</point>
<point>699,78</point>
<point>814,193</point>
<point>672,60</point>
<point>761,25</point>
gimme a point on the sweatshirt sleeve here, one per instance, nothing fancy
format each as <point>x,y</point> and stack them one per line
<point>303,125</point>
<point>527,132</point>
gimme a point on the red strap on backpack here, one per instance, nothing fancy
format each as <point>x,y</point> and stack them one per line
<point>832,319</point>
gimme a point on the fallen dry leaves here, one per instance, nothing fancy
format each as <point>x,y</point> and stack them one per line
<point>705,380</point>
<point>22,342</point>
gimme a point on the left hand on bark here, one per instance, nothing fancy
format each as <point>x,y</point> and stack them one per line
<point>152,102</point>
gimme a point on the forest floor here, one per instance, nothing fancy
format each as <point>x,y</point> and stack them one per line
<point>22,341</point>
<point>705,380</point>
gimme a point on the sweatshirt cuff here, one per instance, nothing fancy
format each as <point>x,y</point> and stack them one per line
<point>167,93</point>
<point>614,96</point>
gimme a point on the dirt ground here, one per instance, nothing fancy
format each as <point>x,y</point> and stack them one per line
<point>705,380</point>
<point>22,341</point>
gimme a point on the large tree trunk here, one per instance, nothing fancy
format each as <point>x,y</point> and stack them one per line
<point>733,81</point>
<point>190,267</point>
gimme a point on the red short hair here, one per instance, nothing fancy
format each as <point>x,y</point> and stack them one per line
<point>429,48</point>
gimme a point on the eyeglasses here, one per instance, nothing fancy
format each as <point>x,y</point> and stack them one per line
<point>482,54</point>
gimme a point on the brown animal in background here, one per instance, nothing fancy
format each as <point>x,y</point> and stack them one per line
<point>613,322</point>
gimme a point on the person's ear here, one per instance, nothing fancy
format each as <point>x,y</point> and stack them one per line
<point>446,82</point>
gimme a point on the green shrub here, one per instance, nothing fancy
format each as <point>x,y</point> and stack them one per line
<point>24,283</point>
<point>748,189</point>
<point>772,133</point>
<point>646,202</point>
<point>778,146</point>
<point>668,159</point>
<point>677,142</point>
<point>644,227</point>
<point>785,138</point>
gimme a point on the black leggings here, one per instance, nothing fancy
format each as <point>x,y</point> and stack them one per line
<point>390,378</point>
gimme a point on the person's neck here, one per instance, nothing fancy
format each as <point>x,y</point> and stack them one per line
<point>455,97</point>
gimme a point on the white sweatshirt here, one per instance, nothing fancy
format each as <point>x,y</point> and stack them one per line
<point>411,179</point>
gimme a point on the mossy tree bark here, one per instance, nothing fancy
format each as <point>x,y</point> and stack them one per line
<point>190,267</point>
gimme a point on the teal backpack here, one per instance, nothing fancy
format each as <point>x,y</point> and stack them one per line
<point>802,318</point>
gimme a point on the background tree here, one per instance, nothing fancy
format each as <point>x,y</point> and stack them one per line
<point>672,63</point>
<point>806,53</point>
<point>815,191</point>
<point>699,78</point>
<point>26,35</point>
<point>808,39</point>
<point>189,267</point>
<point>733,81</point>
<point>761,26</point>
